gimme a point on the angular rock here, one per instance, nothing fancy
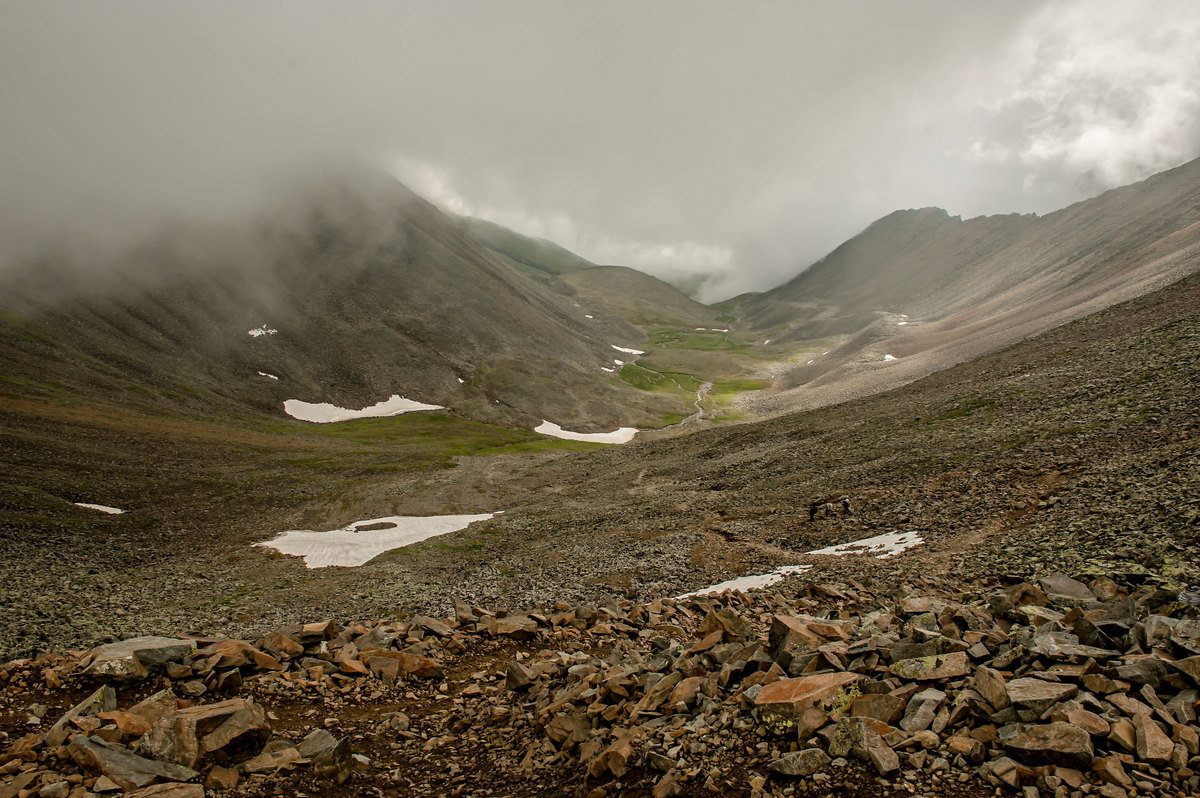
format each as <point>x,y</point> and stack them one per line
<point>801,763</point>
<point>137,657</point>
<point>103,700</point>
<point>168,791</point>
<point>942,666</point>
<point>1032,697</point>
<point>1110,771</point>
<point>220,778</point>
<point>781,703</point>
<point>189,735</point>
<point>517,676</point>
<point>922,709</point>
<point>123,766</point>
<point>1052,743</point>
<point>331,758</point>
<point>990,685</point>
<point>881,706</point>
<point>518,627</point>
<point>1152,745</point>
<point>1060,588</point>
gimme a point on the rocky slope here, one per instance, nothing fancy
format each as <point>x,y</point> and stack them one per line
<point>359,291</point>
<point>930,290</point>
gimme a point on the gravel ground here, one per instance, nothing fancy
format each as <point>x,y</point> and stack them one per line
<point>1076,450</point>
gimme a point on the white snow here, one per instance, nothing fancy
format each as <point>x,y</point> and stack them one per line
<point>620,435</point>
<point>903,316</point>
<point>460,380</point>
<point>627,350</point>
<point>349,546</point>
<point>268,376</point>
<point>263,330</point>
<point>102,508</point>
<point>588,316</point>
<point>890,545</point>
<point>901,323</point>
<point>766,342</point>
<point>889,357</point>
<point>619,362</point>
<point>711,329</point>
<point>606,368</point>
<point>745,583</point>
<point>325,413</point>
<point>809,363</point>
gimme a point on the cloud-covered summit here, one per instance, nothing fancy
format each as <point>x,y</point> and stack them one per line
<point>743,139</point>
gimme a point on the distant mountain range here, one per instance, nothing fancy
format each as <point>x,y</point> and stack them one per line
<point>365,290</point>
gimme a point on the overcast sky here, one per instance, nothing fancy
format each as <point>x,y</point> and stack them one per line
<point>741,138</point>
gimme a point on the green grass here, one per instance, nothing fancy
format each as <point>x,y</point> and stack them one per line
<point>724,391</point>
<point>698,340</point>
<point>666,381</point>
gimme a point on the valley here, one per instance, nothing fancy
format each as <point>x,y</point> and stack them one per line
<point>361,456</point>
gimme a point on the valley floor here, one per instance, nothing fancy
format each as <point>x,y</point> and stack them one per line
<point>1073,452</point>
<point>1076,451</point>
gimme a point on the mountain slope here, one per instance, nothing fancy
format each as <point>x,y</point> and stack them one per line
<point>366,291</point>
<point>637,297</point>
<point>930,290</point>
<point>533,256</point>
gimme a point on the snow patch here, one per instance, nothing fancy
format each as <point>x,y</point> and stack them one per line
<point>263,330</point>
<point>352,545</point>
<point>880,546</point>
<point>268,376</point>
<point>460,380</point>
<point>711,329</point>
<point>102,508</point>
<point>745,583</point>
<point>606,368</point>
<point>766,342</point>
<point>889,357</point>
<point>325,413</point>
<point>619,362</point>
<point>627,350</point>
<point>588,316</point>
<point>620,435</point>
<point>901,323</point>
<point>890,545</point>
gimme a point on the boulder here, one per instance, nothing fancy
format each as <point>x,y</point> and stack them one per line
<point>991,687</point>
<point>122,766</point>
<point>1032,696</point>
<point>189,735</point>
<point>1062,589</point>
<point>941,666</point>
<point>780,703</point>
<point>331,758</point>
<point>1052,744</point>
<point>801,763</point>
<point>1152,745</point>
<point>137,657</point>
<point>921,710</point>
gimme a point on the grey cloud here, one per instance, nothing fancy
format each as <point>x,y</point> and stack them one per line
<point>743,138</point>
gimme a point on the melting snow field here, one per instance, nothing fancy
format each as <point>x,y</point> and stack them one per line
<point>263,330</point>
<point>268,376</point>
<point>745,583</point>
<point>889,357</point>
<point>101,508</point>
<point>627,350</point>
<point>621,435</point>
<point>353,545</point>
<point>325,413</point>
<point>881,546</point>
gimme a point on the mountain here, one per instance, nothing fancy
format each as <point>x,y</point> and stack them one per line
<point>637,297</point>
<point>360,291</point>
<point>929,289</point>
<point>533,256</point>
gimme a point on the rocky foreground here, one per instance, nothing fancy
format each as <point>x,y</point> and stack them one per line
<point>1048,688</point>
